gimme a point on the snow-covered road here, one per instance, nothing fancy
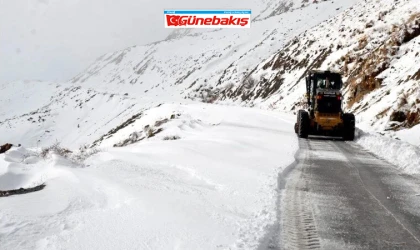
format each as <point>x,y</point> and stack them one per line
<point>340,196</point>
<point>214,188</point>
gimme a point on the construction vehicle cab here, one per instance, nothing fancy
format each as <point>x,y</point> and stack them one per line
<point>324,115</point>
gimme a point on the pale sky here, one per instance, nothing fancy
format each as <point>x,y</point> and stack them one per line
<point>56,39</point>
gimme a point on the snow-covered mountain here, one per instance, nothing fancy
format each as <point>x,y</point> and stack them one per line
<point>122,84</point>
<point>374,43</point>
<point>143,164</point>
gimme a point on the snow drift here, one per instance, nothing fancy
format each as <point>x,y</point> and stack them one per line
<point>214,187</point>
<point>401,154</point>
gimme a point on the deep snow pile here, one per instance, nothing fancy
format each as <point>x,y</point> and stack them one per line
<point>23,168</point>
<point>410,135</point>
<point>401,154</point>
<point>213,187</point>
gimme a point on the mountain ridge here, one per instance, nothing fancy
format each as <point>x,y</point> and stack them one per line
<point>258,67</point>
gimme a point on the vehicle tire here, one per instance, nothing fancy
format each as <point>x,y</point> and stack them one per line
<point>349,126</point>
<point>303,124</point>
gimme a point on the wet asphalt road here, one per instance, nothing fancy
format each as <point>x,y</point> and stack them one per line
<point>339,196</point>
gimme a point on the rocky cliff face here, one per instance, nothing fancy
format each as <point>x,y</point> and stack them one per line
<point>375,45</point>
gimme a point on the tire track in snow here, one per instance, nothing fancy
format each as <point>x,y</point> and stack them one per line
<point>338,196</point>
<point>295,227</point>
<point>298,226</point>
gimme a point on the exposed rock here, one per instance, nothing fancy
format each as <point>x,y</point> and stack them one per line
<point>398,116</point>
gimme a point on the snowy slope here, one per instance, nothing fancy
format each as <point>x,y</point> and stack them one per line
<point>204,58</point>
<point>71,115</point>
<point>123,84</point>
<point>219,190</point>
<point>374,43</point>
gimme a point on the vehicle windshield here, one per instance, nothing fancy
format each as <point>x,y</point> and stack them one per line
<point>328,81</point>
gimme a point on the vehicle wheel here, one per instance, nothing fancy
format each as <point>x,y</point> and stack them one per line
<point>296,128</point>
<point>303,124</point>
<point>349,126</point>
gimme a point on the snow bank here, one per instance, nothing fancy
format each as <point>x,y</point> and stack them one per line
<point>411,135</point>
<point>22,168</point>
<point>402,154</point>
<point>213,188</point>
